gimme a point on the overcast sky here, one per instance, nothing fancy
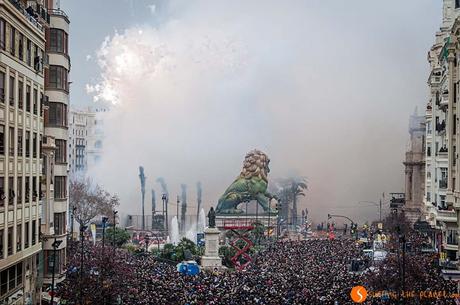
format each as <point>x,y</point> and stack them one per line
<point>325,88</point>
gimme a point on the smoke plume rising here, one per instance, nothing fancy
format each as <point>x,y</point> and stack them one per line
<point>213,80</point>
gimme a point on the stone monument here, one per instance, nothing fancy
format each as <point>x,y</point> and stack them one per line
<point>211,258</point>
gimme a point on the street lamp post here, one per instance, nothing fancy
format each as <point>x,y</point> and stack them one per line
<point>114,225</point>
<point>268,227</point>
<point>104,223</point>
<point>164,198</point>
<point>82,237</point>
<point>55,245</point>
<point>72,215</point>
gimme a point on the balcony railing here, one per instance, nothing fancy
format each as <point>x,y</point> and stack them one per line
<point>58,12</point>
<point>26,14</point>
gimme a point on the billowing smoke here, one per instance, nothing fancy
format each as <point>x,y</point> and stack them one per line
<point>164,186</point>
<point>183,209</point>
<point>212,80</point>
<point>199,194</point>
<point>154,202</point>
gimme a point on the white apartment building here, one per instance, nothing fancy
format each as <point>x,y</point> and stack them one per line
<point>86,139</point>
<point>441,182</point>
<point>54,225</point>
<point>22,60</point>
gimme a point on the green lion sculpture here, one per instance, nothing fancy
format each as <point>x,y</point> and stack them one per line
<point>251,184</point>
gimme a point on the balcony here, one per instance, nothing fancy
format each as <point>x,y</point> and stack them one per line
<point>446,214</point>
<point>27,13</point>
<point>58,12</point>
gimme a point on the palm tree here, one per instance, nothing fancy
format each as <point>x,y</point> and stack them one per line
<point>298,188</point>
<point>288,190</point>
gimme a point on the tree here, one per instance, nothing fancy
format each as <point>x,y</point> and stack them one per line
<point>288,190</point>
<point>184,249</point>
<point>103,278</point>
<point>89,200</point>
<point>118,236</point>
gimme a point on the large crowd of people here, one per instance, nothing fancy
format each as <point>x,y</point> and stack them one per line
<point>315,271</point>
<point>312,271</point>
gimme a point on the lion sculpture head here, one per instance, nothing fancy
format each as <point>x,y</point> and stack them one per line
<point>255,165</point>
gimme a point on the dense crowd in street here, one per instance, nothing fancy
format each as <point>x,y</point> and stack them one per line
<point>314,271</point>
<point>304,272</point>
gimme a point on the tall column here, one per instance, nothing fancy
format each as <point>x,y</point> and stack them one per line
<point>7,162</point>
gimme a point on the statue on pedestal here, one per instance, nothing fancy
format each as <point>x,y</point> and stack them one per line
<point>212,218</point>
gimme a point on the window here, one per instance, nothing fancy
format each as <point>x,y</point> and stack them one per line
<point>27,144</point>
<point>18,238</point>
<point>428,196</point>
<point>58,41</point>
<point>2,87</point>
<point>11,190</point>
<point>11,141</point>
<point>57,77</point>
<point>57,114</point>
<point>442,198</point>
<point>34,145</point>
<point>19,190</point>
<point>27,188</point>
<point>59,223</point>
<point>21,95</point>
<point>4,282</point>
<point>21,46</point>
<point>2,192</point>
<point>34,230</point>
<point>10,240</point>
<point>28,98</point>
<point>20,138</point>
<point>1,243</point>
<point>455,124</point>
<point>2,34</point>
<point>42,103</point>
<point>61,151</point>
<point>18,274</point>
<point>60,188</point>
<point>2,140</point>
<point>29,52</point>
<point>10,279</point>
<point>12,40</point>
<point>34,188</point>
<point>457,3</point>
<point>26,235</point>
<point>35,99</point>
<point>452,237</point>
<point>12,93</point>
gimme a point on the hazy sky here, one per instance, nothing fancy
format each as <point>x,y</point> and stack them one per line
<point>325,88</point>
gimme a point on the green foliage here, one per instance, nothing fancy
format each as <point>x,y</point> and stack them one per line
<point>226,252</point>
<point>258,232</point>
<point>178,253</point>
<point>185,246</point>
<point>118,236</point>
<point>130,248</point>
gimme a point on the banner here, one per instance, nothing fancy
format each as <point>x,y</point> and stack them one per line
<point>93,232</point>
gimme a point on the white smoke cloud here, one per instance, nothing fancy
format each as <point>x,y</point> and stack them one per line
<point>217,79</point>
